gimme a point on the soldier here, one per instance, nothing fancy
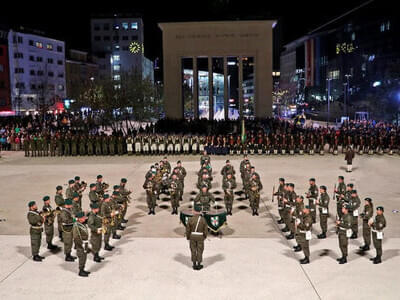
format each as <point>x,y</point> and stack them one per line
<point>289,202</point>
<point>49,223</point>
<point>93,196</point>
<point>95,224</point>
<point>196,233</point>
<point>60,204</point>
<point>26,145</point>
<point>70,189</point>
<point>82,145</point>
<point>340,191</point>
<point>303,231</point>
<point>120,145</point>
<point>246,176</point>
<point>204,199</point>
<point>323,205</point>
<point>98,145</point>
<point>60,143</point>
<point>146,146</point>
<point>67,223</point>
<point>354,203</point>
<point>366,215</point>
<point>76,207</point>
<point>89,143</point>
<point>74,145</point>
<point>205,158</point>
<point>107,214</point>
<point>349,158</point>
<point>229,184</point>
<point>181,177</point>
<point>151,192</point>
<point>129,145</point>
<point>125,194</point>
<point>204,180</point>
<point>377,226</point>
<point>255,186</point>
<point>279,194</point>
<point>104,144</point>
<point>312,196</point>
<point>297,214</point>
<point>174,193</point>
<point>227,169</point>
<point>166,164</point>
<point>100,186</point>
<point>118,201</point>
<point>79,187</point>
<point>344,232</point>
<point>81,235</point>
<point>53,145</point>
<point>138,144</point>
<point>36,222</point>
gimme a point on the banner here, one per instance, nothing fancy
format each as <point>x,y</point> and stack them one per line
<point>215,220</point>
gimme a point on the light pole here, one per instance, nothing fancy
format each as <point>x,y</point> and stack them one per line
<point>329,97</point>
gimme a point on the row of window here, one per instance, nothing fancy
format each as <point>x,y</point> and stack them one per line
<point>38,73</point>
<point>116,26</point>
<point>115,38</point>
<point>48,46</point>
<point>21,85</point>
<point>49,60</point>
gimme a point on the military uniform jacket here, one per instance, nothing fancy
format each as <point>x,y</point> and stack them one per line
<point>324,203</point>
<point>93,197</point>
<point>341,189</point>
<point>106,210</point>
<point>80,234</point>
<point>59,200</point>
<point>167,165</point>
<point>291,197</point>
<point>228,169</point>
<point>181,173</point>
<point>298,210</point>
<point>204,199</point>
<point>243,166</point>
<point>313,191</point>
<point>204,158</point>
<point>228,184</point>
<point>35,220</point>
<point>368,212</point>
<point>379,223</point>
<point>281,193</point>
<point>354,203</point>
<point>196,234</point>
<point>69,193</point>
<point>94,222</point>
<point>305,223</point>
<point>50,218</point>
<point>76,208</point>
<point>345,223</point>
<point>201,181</point>
<point>66,219</point>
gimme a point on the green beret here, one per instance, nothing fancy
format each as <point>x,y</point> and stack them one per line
<point>380,208</point>
<point>94,205</point>
<point>99,176</point>
<point>350,185</point>
<point>354,191</point>
<point>312,179</point>
<point>68,202</point>
<point>346,206</point>
<point>307,206</point>
<point>115,193</point>
<point>80,214</point>
<point>124,180</point>
<point>227,161</point>
<point>71,181</point>
<point>77,178</point>
<point>291,185</point>
<point>45,198</point>
<point>59,188</point>
<point>31,203</point>
<point>197,208</point>
<point>341,177</point>
<point>368,199</point>
<point>116,187</point>
<point>204,186</point>
<point>178,162</point>
<point>282,179</point>
<point>92,185</point>
<point>106,196</point>
<point>323,187</point>
<point>75,195</point>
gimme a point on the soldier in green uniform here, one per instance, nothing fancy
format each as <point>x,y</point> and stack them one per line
<point>151,193</point>
<point>120,145</point>
<point>129,145</point>
<point>125,194</point>
<point>67,221</point>
<point>95,224</point>
<point>377,227</point>
<point>312,196</point>
<point>204,199</point>
<point>166,164</point>
<point>112,141</point>
<point>60,143</point>
<point>70,189</point>
<point>181,177</point>
<point>289,202</point>
<point>89,143</point>
<point>255,186</point>
<point>229,184</point>
<point>76,208</point>
<point>344,232</point>
<point>355,203</point>
<point>74,145</point>
<point>366,215</point>
<point>100,186</point>
<point>26,145</point>
<point>82,145</point>
<point>323,206</point>
<point>303,232</point>
<point>246,176</point>
<point>204,180</point>
<point>279,193</point>
<point>49,223</point>
<point>53,145</point>
<point>340,191</point>
<point>80,235</point>
<point>67,145</point>
<point>196,233</point>
<point>93,197</point>
<point>34,146</point>
<point>104,144</point>
<point>227,169</point>
<point>98,145</point>
<point>118,204</point>
<point>174,193</point>
<point>46,144</point>
<point>39,145</point>
<point>205,158</point>
<point>60,204</point>
<point>36,222</point>
<point>79,187</point>
<point>296,214</point>
<point>107,215</point>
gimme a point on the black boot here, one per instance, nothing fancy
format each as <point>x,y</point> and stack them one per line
<point>280,221</point>
<point>364,248</point>
<point>373,258</point>
<point>50,246</point>
<point>195,266</point>
<point>290,236</point>
<point>377,260</point>
<point>199,266</point>
<point>321,236</point>
<point>173,211</point>
<point>120,227</point>
<point>150,212</point>
<point>124,221</point>
<point>116,236</point>
<point>343,260</point>
<point>153,211</point>
<point>286,229</point>
<point>305,260</point>
<point>108,247</point>
<point>37,258</point>
<point>256,212</point>
<point>41,257</point>
<point>69,258</point>
<point>82,273</point>
<point>353,236</point>
<point>96,258</point>
<point>297,248</point>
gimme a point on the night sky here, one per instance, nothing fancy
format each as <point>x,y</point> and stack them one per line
<point>70,21</point>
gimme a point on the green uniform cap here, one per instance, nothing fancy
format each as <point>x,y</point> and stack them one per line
<point>31,203</point>
<point>380,208</point>
<point>45,198</point>
<point>323,187</point>
<point>75,195</point>
<point>312,179</point>
<point>59,188</point>
<point>94,205</point>
<point>123,180</point>
<point>115,193</point>
<point>341,177</point>
<point>282,179</point>
<point>99,176</point>
<point>116,187</point>
<point>71,181</point>
<point>92,185</point>
<point>354,191</point>
<point>178,162</point>
<point>197,208</point>
<point>346,206</point>
<point>80,214</point>
<point>77,178</point>
<point>368,199</point>
<point>68,202</point>
<point>106,196</point>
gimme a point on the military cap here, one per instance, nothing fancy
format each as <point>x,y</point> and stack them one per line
<point>380,208</point>
<point>197,208</point>
<point>99,176</point>
<point>307,206</point>
<point>350,185</point>
<point>94,205</point>
<point>341,177</point>
<point>252,167</point>
<point>301,197</point>
<point>31,203</point>
<point>312,179</point>
<point>323,187</point>
<point>92,185</point>
<point>124,180</point>
<point>71,181</point>
<point>368,199</point>
<point>165,157</point>
<point>204,186</point>
<point>77,178</point>
<point>354,191</point>
<point>45,198</point>
<point>75,195</point>
<point>346,206</point>
<point>156,164</point>
<point>178,162</point>
<point>68,201</point>
<point>227,161</point>
<point>291,185</point>
<point>106,196</point>
<point>116,187</point>
<point>59,188</point>
<point>115,193</point>
<point>80,214</point>
<point>282,179</point>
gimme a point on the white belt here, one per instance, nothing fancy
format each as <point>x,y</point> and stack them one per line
<point>197,233</point>
<point>36,227</point>
<point>374,230</point>
<point>287,205</point>
<point>341,228</point>
<point>302,231</point>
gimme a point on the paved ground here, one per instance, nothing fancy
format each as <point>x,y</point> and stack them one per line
<point>251,261</point>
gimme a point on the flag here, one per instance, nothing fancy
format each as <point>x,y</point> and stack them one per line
<point>243,132</point>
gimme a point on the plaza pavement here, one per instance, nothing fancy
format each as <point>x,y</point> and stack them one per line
<point>252,260</point>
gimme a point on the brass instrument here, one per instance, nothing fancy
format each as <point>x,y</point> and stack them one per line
<point>173,187</point>
<point>104,224</point>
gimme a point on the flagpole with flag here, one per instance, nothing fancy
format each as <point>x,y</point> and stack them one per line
<point>243,132</point>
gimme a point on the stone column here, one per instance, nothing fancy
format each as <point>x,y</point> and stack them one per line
<point>173,86</point>
<point>240,87</point>
<point>195,88</point>
<point>210,89</point>
<point>226,100</point>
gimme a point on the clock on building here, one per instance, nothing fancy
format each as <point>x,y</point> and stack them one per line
<point>135,47</point>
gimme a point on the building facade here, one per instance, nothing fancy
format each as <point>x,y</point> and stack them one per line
<point>118,43</point>
<point>37,71</point>
<point>5,96</point>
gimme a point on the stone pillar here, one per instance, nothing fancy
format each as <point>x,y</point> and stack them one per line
<point>226,100</point>
<point>263,83</point>
<point>240,87</point>
<point>173,87</point>
<point>195,89</point>
<point>210,89</point>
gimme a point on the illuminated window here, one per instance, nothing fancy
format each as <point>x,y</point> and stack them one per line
<point>39,45</point>
<point>60,87</point>
<point>353,36</point>
<point>116,58</point>
<point>116,47</point>
<point>125,25</point>
<point>334,74</point>
<point>117,67</point>
<point>49,47</point>
<point>117,77</point>
<point>134,25</point>
<point>116,26</point>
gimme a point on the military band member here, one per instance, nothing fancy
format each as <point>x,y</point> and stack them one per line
<point>174,193</point>
<point>100,186</point>
<point>79,187</point>
<point>279,193</point>
<point>181,177</point>
<point>36,229</point>
<point>70,189</point>
<point>153,145</point>
<point>323,205</point>
<point>196,233</point>
<point>67,223</point>
<point>95,224</point>
<point>115,220</point>
<point>340,191</point>
<point>49,223</point>
<point>205,158</point>
<point>227,169</point>
<point>118,201</point>
<point>377,225</point>
<point>93,196</point>
<point>296,214</point>
<point>59,200</point>
<point>255,187</point>
<point>354,203</point>
<point>303,232</point>
<point>167,165</point>
<point>177,145</point>
<point>366,215</point>
<point>107,214</point>
<point>312,196</point>
<point>204,180</point>
<point>229,184</point>
<point>129,145</point>
<point>76,208</point>
<point>204,199</point>
<point>125,193</point>
<point>289,201</point>
<point>138,145</point>
<point>151,192</point>
<point>81,235</point>
<point>344,232</point>
<point>349,156</point>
